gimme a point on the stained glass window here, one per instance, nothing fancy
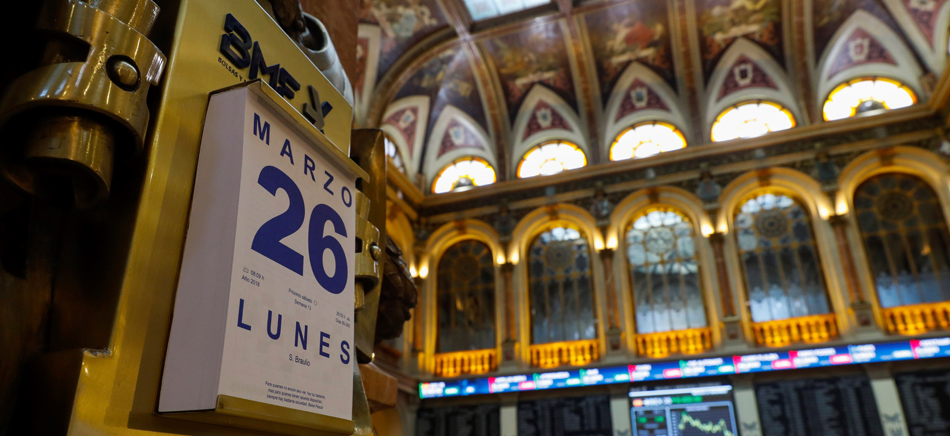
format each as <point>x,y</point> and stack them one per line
<point>751,119</point>
<point>906,239</point>
<point>466,298</point>
<point>779,258</point>
<point>464,174</point>
<point>866,95</point>
<point>562,301</point>
<point>393,153</point>
<point>551,158</point>
<point>645,140</point>
<point>664,273</point>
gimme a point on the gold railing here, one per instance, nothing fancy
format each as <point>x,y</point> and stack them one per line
<point>576,353</point>
<point>917,318</point>
<point>691,341</point>
<point>809,329</point>
<point>465,362</point>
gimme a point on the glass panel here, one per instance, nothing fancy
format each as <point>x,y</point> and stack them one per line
<point>485,9</point>
<point>551,158</point>
<point>645,140</point>
<point>466,298</point>
<point>559,278</point>
<point>394,154</point>
<point>464,174</point>
<point>664,273</point>
<point>905,238</point>
<point>865,95</point>
<point>751,119</point>
<point>779,259</point>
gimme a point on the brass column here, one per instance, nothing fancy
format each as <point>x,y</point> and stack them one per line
<point>840,225</point>
<point>507,271</point>
<point>607,258</point>
<point>728,306</point>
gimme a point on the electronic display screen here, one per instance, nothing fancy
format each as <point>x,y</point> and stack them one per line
<point>764,361</point>
<point>685,410</point>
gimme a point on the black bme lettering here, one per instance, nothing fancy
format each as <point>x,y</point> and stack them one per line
<point>238,47</point>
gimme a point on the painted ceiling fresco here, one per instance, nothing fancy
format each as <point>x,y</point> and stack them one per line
<point>612,60</point>
<point>447,79</point>
<point>721,22</point>
<point>630,32</point>
<point>828,15</point>
<point>402,23</point>
<point>535,55</point>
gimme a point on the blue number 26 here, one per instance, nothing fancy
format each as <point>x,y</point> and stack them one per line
<point>267,239</point>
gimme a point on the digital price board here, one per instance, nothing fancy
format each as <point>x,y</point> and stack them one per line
<point>686,410</point>
<point>764,361</point>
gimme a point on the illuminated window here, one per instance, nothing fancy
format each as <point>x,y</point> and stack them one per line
<point>561,292</point>
<point>466,298</point>
<point>664,274</point>
<point>751,119</point>
<point>645,140</point>
<point>906,239</point>
<point>551,158</point>
<point>464,174</point>
<point>779,257</point>
<point>485,9</point>
<point>393,153</point>
<point>866,95</point>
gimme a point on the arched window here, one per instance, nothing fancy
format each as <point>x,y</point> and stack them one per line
<point>645,140</point>
<point>561,289</point>
<point>551,158</point>
<point>466,298</point>
<point>751,119</point>
<point>780,260</point>
<point>906,239</point>
<point>464,174</point>
<point>394,154</point>
<point>866,95</point>
<point>664,273</point>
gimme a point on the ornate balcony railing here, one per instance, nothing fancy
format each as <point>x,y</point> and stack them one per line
<point>465,362</point>
<point>918,318</point>
<point>554,354</point>
<point>808,329</point>
<point>691,341</point>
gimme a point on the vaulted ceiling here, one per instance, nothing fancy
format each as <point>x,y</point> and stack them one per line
<point>444,86</point>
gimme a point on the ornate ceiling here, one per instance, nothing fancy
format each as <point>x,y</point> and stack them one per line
<point>443,86</point>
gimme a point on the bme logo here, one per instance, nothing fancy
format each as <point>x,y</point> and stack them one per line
<point>238,47</point>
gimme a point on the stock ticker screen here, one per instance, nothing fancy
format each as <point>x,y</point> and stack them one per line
<point>683,410</point>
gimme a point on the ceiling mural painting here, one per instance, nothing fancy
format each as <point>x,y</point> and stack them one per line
<point>447,79</point>
<point>925,14</point>
<point>460,81</point>
<point>860,48</point>
<point>404,120</point>
<point>721,22</point>
<point>626,33</point>
<point>545,117</point>
<point>745,73</point>
<point>829,15</point>
<point>402,23</point>
<point>533,55</point>
<point>639,96</point>
<point>457,136</point>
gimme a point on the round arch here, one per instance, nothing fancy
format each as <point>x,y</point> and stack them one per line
<point>808,192</point>
<point>444,237</point>
<point>534,223</point>
<point>690,206</point>
<point>899,159</point>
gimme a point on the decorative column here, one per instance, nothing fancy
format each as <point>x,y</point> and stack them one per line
<point>416,366</point>
<point>614,332</point>
<point>509,345</point>
<point>731,321</point>
<point>860,307</point>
